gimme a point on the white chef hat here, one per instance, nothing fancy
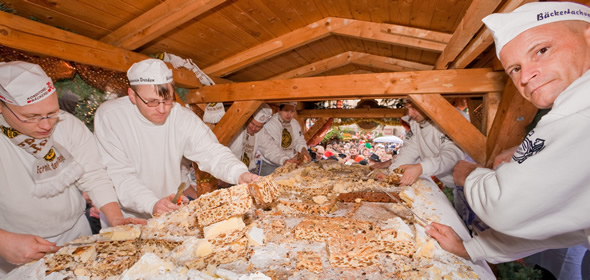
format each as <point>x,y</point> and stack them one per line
<point>23,83</point>
<point>263,113</point>
<point>294,103</point>
<point>506,26</point>
<point>149,72</point>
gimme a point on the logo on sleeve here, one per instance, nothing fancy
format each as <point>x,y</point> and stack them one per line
<point>528,148</point>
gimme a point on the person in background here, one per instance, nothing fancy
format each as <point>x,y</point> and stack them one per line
<point>245,143</point>
<point>49,158</point>
<point>539,199</point>
<point>426,150</point>
<point>144,137</point>
<point>283,140</point>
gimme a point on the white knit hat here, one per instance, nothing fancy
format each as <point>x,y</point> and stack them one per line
<point>506,26</point>
<point>263,114</point>
<point>149,72</point>
<point>23,83</point>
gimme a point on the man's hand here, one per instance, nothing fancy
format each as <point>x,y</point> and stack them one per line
<point>411,173</point>
<point>247,177</point>
<point>448,239</point>
<point>23,248</point>
<point>505,156</point>
<point>306,155</point>
<point>291,160</point>
<point>164,205</point>
<point>461,170</point>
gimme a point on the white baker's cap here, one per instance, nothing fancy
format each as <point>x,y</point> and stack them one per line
<point>23,83</point>
<point>263,114</point>
<point>506,26</point>
<point>294,103</point>
<point>149,72</point>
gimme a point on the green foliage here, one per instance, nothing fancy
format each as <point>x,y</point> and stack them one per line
<point>182,92</point>
<point>89,98</point>
<point>333,134</point>
<point>449,193</point>
<point>517,271</point>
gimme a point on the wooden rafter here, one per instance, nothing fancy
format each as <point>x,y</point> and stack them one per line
<point>234,119</point>
<point>467,28</point>
<point>452,123</point>
<point>158,21</point>
<point>312,131</point>
<point>483,39</point>
<point>371,113</point>
<point>513,116</point>
<point>380,85</point>
<point>381,32</point>
<point>31,36</point>
<point>350,57</point>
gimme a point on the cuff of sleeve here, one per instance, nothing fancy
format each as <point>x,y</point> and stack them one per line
<point>427,167</point>
<point>282,161</point>
<point>149,207</point>
<point>474,249</point>
<point>102,197</point>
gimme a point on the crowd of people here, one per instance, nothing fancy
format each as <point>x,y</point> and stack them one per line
<point>131,166</point>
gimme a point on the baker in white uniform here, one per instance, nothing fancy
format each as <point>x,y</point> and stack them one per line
<point>49,158</point>
<point>281,140</point>
<point>144,136</point>
<point>245,143</point>
<point>540,199</point>
<point>426,150</point>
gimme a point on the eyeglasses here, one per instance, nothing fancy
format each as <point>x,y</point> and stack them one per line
<point>36,119</point>
<point>155,102</point>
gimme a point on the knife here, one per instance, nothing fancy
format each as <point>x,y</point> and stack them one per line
<point>423,222</point>
<point>179,192</point>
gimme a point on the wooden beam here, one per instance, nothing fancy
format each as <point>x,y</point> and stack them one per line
<point>319,67</point>
<point>380,32</point>
<point>236,116</point>
<point>313,130</point>
<point>390,64</point>
<point>31,36</point>
<point>491,101</point>
<point>364,113</point>
<point>467,28</point>
<point>452,123</point>
<point>379,85</point>
<point>395,35</point>
<point>483,39</point>
<point>157,22</point>
<point>509,128</point>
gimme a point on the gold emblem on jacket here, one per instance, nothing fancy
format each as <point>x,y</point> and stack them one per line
<point>286,139</point>
<point>246,160</point>
<point>50,156</point>
<point>10,132</point>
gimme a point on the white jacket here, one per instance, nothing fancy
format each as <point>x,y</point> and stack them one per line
<point>271,137</point>
<point>22,212</point>
<point>435,151</point>
<point>144,159</point>
<point>544,192</point>
<point>237,146</point>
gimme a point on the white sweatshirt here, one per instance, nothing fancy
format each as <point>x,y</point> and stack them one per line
<point>435,151</point>
<point>271,137</point>
<point>144,159</point>
<point>22,212</point>
<point>544,192</point>
<point>244,145</point>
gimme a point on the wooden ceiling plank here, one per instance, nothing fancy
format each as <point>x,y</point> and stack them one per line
<point>391,64</point>
<point>467,28</point>
<point>491,101</point>
<point>483,39</point>
<point>235,118</point>
<point>453,124</point>
<point>362,113</point>
<point>27,35</point>
<point>377,85</point>
<point>158,21</point>
<point>319,66</point>
<point>514,114</point>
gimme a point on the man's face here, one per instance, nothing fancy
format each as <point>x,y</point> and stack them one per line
<point>543,61</point>
<point>354,151</point>
<point>414,113</point>
<point>254,126</point>
<point>156,115</point>
<point>40,130</point>
<point>287,113</point>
